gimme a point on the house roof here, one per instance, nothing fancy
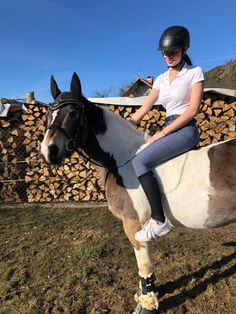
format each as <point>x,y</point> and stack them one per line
<point>135,85</point>
<point>221,91</point>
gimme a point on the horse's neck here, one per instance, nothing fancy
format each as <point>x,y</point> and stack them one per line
<point>121,139</point>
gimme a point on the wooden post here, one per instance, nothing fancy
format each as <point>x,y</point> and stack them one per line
<point>29,97</point>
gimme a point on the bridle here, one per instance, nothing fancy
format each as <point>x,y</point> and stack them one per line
<point>80,136</point>
<point>73,141</point>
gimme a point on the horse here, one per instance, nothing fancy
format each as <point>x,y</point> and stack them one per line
<point>197,187</point>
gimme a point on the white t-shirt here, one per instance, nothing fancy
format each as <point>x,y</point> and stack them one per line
<point>175,95</point>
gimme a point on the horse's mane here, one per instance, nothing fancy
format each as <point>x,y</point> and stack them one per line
<point>124,123</point>
<point>97,114</point>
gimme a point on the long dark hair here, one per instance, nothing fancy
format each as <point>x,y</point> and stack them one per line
<point>187,59</point>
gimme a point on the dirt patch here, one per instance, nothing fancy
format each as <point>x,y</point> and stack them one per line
<point>78,260</point>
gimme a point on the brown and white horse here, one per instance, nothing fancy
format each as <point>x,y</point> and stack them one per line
<point>198,187</point>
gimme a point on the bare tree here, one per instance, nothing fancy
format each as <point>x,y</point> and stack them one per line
<point>102,93</point>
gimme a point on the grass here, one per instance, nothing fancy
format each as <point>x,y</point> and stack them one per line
<point>78,260</point>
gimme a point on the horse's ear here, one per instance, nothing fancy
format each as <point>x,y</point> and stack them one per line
<point>55,91</point>
<point>75,86</point>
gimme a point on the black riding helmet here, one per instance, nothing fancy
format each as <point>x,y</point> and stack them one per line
<point>174,37</point>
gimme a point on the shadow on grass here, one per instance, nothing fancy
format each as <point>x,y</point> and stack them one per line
<point>183,296</point>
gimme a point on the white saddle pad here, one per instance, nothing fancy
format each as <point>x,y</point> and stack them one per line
<point>170,173</point>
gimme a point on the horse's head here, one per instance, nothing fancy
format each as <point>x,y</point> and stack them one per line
<point>66,122</point>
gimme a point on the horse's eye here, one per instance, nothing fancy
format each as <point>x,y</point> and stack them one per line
<point>73,114</point>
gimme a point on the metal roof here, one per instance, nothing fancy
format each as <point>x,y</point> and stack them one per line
<point>138,101</point>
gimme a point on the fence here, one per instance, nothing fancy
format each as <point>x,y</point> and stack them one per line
<point>24,177</point>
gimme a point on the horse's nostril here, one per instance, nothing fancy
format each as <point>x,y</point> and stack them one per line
<point>53,150</point>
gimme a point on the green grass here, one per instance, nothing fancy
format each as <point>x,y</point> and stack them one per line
<point>78,260</point>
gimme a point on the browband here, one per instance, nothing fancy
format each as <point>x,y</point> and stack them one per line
<point>62,103</point>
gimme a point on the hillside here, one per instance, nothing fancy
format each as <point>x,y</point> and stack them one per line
<point>223,76</point>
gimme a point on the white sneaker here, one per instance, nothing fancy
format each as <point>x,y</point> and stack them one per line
<point>153,229</point>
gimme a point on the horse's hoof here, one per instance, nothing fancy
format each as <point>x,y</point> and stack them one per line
<point>140,310</point>
<point>147,303</point>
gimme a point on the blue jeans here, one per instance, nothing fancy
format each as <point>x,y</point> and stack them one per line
<point>168,147</point>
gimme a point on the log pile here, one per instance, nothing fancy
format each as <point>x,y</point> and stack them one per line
<point>216,121</point>
<point>26,178</point>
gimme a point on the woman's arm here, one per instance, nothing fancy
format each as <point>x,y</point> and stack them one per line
<point>188,115</point>
<point>191,112</point>
<point>147,105</point>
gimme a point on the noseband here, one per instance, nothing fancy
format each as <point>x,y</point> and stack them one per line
<point>72,140</point>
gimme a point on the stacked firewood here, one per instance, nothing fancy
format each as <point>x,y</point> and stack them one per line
<point>72,181</point>
<point>12,155</point>
<point>24,177</point>
<point>216,120</point>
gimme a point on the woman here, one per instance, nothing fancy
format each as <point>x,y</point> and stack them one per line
<point>180,92</point>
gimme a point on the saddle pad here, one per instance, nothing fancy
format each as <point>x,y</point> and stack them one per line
<point>170,173</point>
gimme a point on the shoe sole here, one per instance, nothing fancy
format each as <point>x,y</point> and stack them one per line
<point>165,231</point>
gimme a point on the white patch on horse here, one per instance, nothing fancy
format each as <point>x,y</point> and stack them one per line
<point>177,178</point>
<point>122,141</point>
<point>54,115</point>
<point>144,260</point>
<point>181,175</point>
<point>121,138</point>
<point>47,142</point>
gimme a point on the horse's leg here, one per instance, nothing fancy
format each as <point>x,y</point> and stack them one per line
<point>146,295</point>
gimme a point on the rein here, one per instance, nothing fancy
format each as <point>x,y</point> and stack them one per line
<point>101,165</point>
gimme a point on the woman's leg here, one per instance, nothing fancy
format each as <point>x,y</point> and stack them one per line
<point>156,153</point>
<point>152,191</point>
<point>166,148</point>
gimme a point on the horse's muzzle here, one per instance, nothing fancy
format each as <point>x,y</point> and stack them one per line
<point>52,155</point>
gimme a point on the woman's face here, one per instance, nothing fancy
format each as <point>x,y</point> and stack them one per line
<point>172,57</point>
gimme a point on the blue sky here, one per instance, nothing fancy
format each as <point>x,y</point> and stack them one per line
<point>107,42</point>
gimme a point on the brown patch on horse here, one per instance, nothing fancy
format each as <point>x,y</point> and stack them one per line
<point>121,206</point>
<point>222,198</point>
<point>131,227</point>
<point>50,134</point>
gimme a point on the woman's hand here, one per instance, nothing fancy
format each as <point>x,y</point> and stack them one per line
<point>156,137</point>
<point>147,105</point>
